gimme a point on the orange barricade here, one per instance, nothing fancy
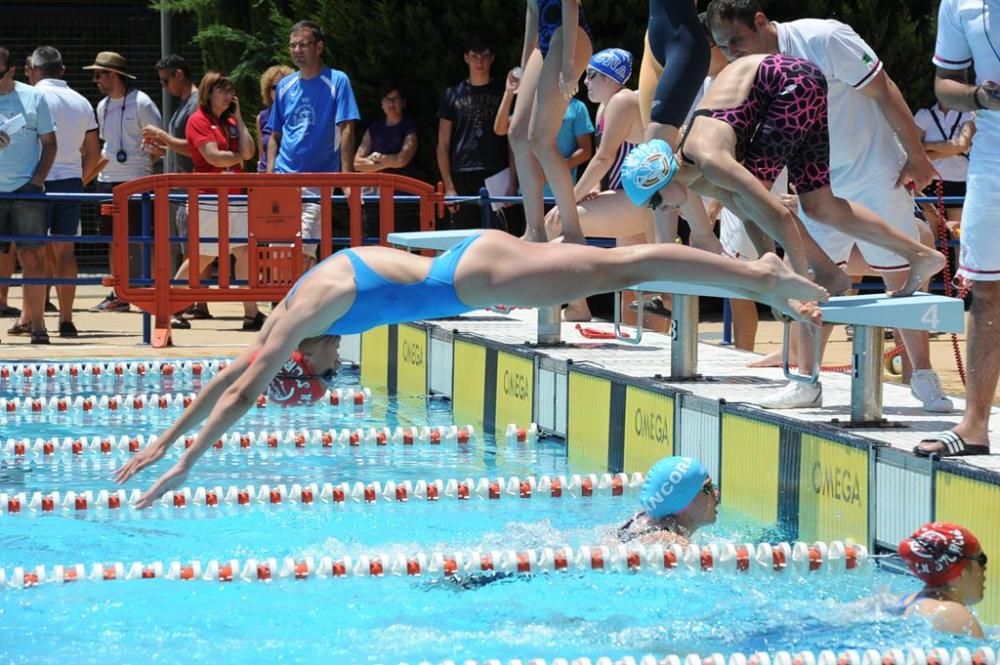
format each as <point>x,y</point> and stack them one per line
<point>274,205</point>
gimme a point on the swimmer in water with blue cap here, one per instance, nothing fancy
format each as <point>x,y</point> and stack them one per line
<point>677,499</point>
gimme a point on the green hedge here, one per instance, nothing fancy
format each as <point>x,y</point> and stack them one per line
<point>417,43</point>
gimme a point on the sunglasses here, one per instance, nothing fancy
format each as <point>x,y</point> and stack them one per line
<point>591,73</point>
<point>708,488</point>
<point>655,201</point>
<point>980,558</point>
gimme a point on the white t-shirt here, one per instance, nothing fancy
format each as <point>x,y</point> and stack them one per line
<point>122,130</point>
<point>938,126</point>
<point>963,42</point>
<point>863,145</point>
<point>73,117</point>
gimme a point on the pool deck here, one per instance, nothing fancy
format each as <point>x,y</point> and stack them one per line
<point>117,335</point>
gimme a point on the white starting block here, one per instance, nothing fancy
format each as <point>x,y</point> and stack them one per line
<point>549,318</point>
<point>869,314</point>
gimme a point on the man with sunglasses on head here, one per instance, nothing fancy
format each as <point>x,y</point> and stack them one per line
<point>948,559</point>
<point>27,151</point>
<point>677,499</point>
<point>121,115</point>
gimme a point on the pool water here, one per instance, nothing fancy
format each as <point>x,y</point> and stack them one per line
<point>389,619</point>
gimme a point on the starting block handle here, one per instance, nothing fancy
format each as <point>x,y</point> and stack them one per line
<point>813,376</point>
<point>620,334</point>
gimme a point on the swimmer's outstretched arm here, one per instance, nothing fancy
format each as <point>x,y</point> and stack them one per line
<point>276,343</point>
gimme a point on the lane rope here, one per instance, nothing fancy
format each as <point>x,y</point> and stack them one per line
<point>741,558</point>
<point>915,656</point>
<point>125,445</point>
<point>491,489</point>
<point>196,368</point>
<point>345,399</point>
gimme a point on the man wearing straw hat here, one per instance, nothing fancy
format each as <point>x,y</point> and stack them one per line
<point>121,115</point>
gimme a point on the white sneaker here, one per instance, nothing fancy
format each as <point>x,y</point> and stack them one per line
<point>925,386</point>
<point>796,396</point>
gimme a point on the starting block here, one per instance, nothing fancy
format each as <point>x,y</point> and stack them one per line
<point>869,314</point>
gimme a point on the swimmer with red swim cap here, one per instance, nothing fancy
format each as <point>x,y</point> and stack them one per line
<point>362,288</point>
<point>677,499</point>
<point>952,566</point>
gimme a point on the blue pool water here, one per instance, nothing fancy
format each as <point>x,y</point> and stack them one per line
<point>391,619</point>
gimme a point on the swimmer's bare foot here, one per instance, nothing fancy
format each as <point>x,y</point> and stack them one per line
<point>772,359</point>
<point>577,311</point>
<point>924,266</point>
<point>786,284</point>
<point>836,282</point>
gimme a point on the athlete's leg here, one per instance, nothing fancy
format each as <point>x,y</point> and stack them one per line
<point>529,170</point>
<point>861,223</point>
<point>649,75</point>
<point>546,119</point>
<point>502,269</point>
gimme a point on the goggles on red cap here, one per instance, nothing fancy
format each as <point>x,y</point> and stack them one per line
<point>297,383</point>
<point>938,552</point>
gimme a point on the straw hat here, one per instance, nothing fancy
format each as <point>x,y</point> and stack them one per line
<point>112,62</point>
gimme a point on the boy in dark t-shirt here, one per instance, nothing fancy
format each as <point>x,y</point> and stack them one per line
<point>468,150</point>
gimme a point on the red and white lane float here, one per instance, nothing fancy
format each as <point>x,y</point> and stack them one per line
<point>798,559</point>
<point>468,489</point>
<point>984,655</point>
<point>291,439</point>
<point>349,401</point>
<point>198,368</point>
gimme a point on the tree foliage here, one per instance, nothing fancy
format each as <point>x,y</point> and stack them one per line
<point>417,43</point>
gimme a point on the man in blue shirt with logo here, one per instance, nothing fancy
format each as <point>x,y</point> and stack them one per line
<point>27,151</point>
<point>312,120</point>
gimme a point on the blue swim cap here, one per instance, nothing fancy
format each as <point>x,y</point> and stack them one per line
<point>671,485</point>
<point>648,168</point>
<point>615,63</point>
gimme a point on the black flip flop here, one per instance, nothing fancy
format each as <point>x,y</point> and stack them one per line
<point>954,446</point>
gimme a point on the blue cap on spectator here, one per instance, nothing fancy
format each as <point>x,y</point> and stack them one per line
<point>671,485</point>
<point>615,63</point>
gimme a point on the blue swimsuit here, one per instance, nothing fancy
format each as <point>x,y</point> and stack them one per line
<point>379,301</point>
<point>550,19</point>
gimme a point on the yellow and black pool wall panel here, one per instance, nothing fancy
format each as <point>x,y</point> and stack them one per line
<point>649,424</point>
<point>617,423</point>
<point>377,353</point>
<point>971,497</point>
<point>408,366</point>
<point>758,466</point>
<point>506,389</point>
<point>836,484</point>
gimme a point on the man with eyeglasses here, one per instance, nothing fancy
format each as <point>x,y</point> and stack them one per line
<point>27,151</point>
<point>121,115</point>
<point>311,121</point>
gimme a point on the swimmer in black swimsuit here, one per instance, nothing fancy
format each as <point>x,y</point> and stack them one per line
<point>952,566</point>
<point>364,287</point>
<point>677,499</point>
<point>556,49</point>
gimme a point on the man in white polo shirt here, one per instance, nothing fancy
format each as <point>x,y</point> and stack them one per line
<point>78,150</point>
<point>867,116</point>
<point>968,38</point>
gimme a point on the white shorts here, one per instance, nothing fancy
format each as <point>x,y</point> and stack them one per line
<point>979,257</point>
<point>312,223</point>
<point>208,226</point>
<point>893,204</point>
<point>732,231</point>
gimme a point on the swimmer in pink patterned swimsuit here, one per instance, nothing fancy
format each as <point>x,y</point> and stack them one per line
<point>760,114</point>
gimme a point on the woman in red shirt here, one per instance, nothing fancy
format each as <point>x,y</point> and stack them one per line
<point>220,143</point>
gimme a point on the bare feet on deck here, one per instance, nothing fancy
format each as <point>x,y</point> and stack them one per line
<point>926,265</point>
<point>772,359</point>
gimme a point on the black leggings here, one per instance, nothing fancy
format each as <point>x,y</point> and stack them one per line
<point>678,43</point>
